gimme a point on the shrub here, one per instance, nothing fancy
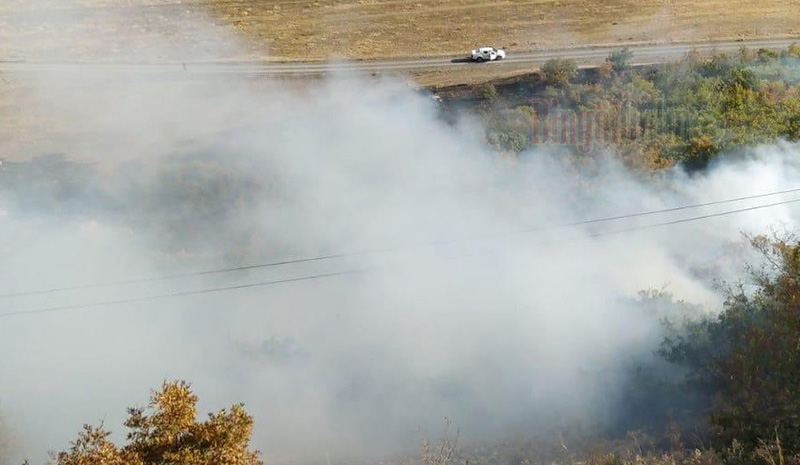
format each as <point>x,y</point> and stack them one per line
<point>509,139</point>
<point>699,152</point>
<point>169,434</point>
<point>766,55</point>
<point>487,91</point>
<point>558,72</point>
<point>620,60</point>
<point>605,71</point>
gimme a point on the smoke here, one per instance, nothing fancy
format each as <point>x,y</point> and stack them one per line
<point>498,332</point>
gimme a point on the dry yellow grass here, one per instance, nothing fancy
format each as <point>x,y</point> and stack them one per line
<point>312,29</point>
<point>317,29</point>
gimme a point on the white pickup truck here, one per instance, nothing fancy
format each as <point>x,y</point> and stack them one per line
<point>487,54</point>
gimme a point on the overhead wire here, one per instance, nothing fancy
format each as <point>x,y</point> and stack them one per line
<point>57,309</point>
<point>280,263</point>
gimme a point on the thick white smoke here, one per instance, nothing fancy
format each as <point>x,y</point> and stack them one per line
<point>510,331</point>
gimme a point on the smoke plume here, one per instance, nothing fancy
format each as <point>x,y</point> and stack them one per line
<point>462,297</point>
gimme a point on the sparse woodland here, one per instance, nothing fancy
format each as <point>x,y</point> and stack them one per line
<point>685,113</point>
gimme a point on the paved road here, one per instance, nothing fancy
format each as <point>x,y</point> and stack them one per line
<point>582,55</point>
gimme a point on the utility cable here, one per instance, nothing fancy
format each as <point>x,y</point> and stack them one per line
<point>348,272</point>
<point>280,263</point>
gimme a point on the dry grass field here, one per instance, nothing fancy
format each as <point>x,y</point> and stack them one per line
<point>316,29</point>
<point>303,29</point>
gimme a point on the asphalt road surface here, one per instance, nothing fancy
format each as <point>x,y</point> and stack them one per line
<point>584,56</point>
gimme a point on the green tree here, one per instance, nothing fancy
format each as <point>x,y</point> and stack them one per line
<point>511,130</point>
<point>749,356</point>
<point>558,72</point>
<point>761,374</point>
<point>168,433</point>
<point>509,139</point>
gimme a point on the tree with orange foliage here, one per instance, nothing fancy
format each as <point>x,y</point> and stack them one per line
<point>168,433</point>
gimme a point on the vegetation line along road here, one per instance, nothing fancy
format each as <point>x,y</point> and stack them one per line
<point>583,55</point>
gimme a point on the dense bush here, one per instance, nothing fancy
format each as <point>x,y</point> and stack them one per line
<point>749,356</point>
<point>558,72</point>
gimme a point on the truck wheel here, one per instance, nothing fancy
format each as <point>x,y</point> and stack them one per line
<point>479,60</point>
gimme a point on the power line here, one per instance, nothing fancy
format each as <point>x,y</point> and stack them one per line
<point>174,276</point>
<point>176,294</point>
<point>348,272</point>
<point>688,207</point>
<point>695,218</point>
<point>280,263</point>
